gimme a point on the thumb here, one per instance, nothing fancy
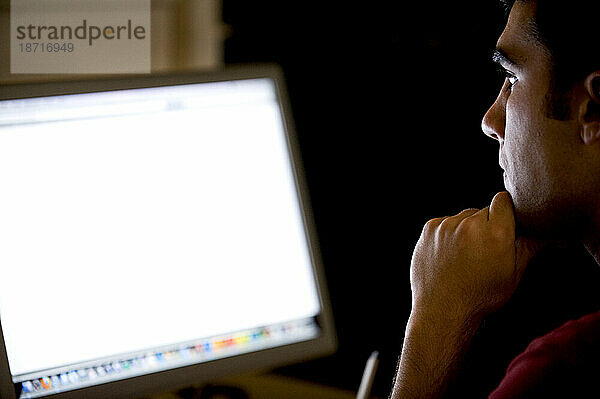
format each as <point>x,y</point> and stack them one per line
<point>501,209</point>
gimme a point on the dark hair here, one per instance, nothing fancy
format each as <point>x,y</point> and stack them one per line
<point>569,32</point>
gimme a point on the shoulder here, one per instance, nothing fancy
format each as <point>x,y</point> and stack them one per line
<point>562,361</point>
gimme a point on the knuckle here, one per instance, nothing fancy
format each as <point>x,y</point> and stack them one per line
<point>432,225</point>
<point>447,226</point>
<point>468,225</point>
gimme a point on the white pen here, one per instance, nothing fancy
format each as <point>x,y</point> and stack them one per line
<point>364,390</point>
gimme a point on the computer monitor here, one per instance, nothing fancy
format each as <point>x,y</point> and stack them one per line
<point>155,233</point>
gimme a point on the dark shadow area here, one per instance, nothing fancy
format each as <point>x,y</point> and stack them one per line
<point>559,284</point>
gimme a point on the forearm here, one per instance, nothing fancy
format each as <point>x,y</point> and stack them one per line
<point>431,355</point>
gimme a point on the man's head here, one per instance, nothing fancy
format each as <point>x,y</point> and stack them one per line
<point>547,116</point>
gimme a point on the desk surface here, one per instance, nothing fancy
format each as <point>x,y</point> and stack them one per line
<point>272,386</point>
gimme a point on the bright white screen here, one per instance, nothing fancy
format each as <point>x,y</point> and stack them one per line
<point>170,216</point>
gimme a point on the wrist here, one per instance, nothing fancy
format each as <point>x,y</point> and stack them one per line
<point>434,344</point>
<point>444,321</point>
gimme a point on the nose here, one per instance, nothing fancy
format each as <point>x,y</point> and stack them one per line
<point>494,120</point>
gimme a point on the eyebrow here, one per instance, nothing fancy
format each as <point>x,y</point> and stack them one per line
<point>500,57</point>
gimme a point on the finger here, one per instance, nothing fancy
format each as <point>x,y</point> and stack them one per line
<point>501,209</point>
<point>455,220</point>
<point>467,212</point>
<point>432,225</point>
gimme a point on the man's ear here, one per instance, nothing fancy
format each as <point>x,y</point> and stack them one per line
<point>589,112</point>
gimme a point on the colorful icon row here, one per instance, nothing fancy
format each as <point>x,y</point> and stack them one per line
<point>70,380</point>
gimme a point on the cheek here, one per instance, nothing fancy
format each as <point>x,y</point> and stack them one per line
<point>523,151</point>
<point>542,168</point>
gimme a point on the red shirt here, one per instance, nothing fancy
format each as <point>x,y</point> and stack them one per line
<point>564,362</point>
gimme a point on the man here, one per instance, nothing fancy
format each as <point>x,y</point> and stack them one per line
<point>546,119</point>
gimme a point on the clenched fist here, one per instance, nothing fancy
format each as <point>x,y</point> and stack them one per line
<point>463,268</point>
<point>468,265</point>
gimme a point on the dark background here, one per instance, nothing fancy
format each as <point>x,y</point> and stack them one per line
<point>388,100</point>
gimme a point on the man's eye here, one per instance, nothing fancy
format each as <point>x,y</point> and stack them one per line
<point>512,79</point>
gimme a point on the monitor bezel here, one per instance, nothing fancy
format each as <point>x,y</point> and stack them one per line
<point>263,360</point>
